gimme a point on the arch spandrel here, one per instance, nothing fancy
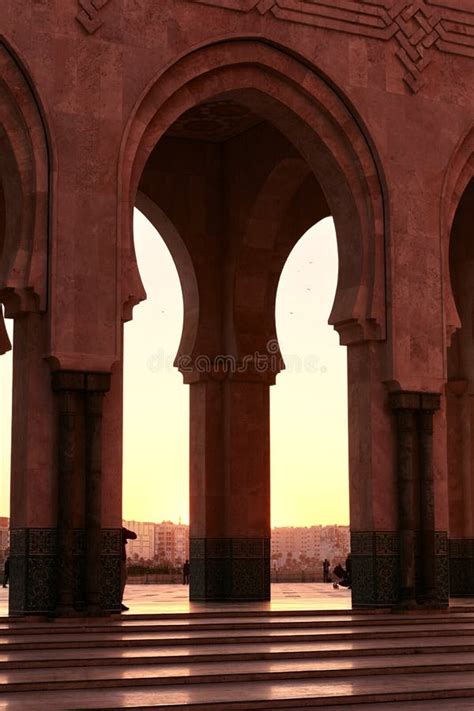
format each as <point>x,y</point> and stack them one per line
<point>24,173</point>
<point>326,133</point>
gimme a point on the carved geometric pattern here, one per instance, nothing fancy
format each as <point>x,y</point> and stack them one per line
<point>461,567</point>
<point>112,541</point>
<point>89,14</point>
<point>375,568</point>
<point>441,543</point>
<point>230,569</point>
<point>34,575</point>
<point>416,25</point>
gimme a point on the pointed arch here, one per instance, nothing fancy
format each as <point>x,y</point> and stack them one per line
<point>323,128</point>
<point>24,191</point>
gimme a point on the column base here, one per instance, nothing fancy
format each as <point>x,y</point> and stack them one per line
<point>461,567</point>
<point>230,569</point>
<point>376,570</point>
<point>34,578</point>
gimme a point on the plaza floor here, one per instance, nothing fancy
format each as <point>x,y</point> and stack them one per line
<point>146,599</point>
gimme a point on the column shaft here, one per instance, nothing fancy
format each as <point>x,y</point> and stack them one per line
<point>406,430</point>
<point>230,490</point>
<point>69,412</point>
<point>93,500</point>
<point>429,403</point>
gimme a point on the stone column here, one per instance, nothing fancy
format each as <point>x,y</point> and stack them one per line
<point>96,386</point>
<point>33,541</point>
<point>68,387</point>
<point>79,446</point>
<point>372,481</point>
<point>230,488</point>
<point>423,549</point>
<point>405,406</point>
<point>429,404</point>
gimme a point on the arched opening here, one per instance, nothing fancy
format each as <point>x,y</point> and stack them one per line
<point>156,409</point>
<point>460,398</point>
<point>310,489</point>
<point>241,176</point>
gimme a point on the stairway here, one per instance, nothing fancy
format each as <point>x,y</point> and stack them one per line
<point>241,660</point>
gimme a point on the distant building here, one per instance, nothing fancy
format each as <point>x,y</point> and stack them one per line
<point>294,546</point>
<point>4,536</point>
<point>295,543</point>
<point>171,542</point>
<point>165,542</point>
<point>144,545</point>
<point>335,543</point>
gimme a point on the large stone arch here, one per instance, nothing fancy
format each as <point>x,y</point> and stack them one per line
<point>24,191</point>
<point>323,129</point>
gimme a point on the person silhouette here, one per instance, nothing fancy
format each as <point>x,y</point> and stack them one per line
<point>126,536</point>
<point>326,566</point>
<point>6,571</point>
<point>186,568</point>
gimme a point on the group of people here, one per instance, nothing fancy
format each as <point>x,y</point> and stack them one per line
<point>343,575</point>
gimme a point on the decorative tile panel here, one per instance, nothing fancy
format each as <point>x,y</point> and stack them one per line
<point>461,567</point>
<point>230,569</point>
<point>375,568</point>
<point>34,579</point>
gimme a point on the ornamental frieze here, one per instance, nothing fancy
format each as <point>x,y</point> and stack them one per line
<point>416,28</point>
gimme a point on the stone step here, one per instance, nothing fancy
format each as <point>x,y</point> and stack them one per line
<point>122,656</point>
<point>237,611</point>
<point>273,694</point>
<point>87,638</point>
<point>102,676</point>
<point>393,621</point>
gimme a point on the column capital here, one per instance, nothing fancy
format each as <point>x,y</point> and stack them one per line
<point>412,400</point>
<point>228,368</point>
<point>73,380</point>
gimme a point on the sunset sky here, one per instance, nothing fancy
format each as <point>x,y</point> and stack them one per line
<point>308,403</point>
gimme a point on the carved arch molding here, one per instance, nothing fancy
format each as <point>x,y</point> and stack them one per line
<point>416,27</point>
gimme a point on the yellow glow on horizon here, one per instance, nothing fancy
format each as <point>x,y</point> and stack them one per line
<point>308,404</point>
